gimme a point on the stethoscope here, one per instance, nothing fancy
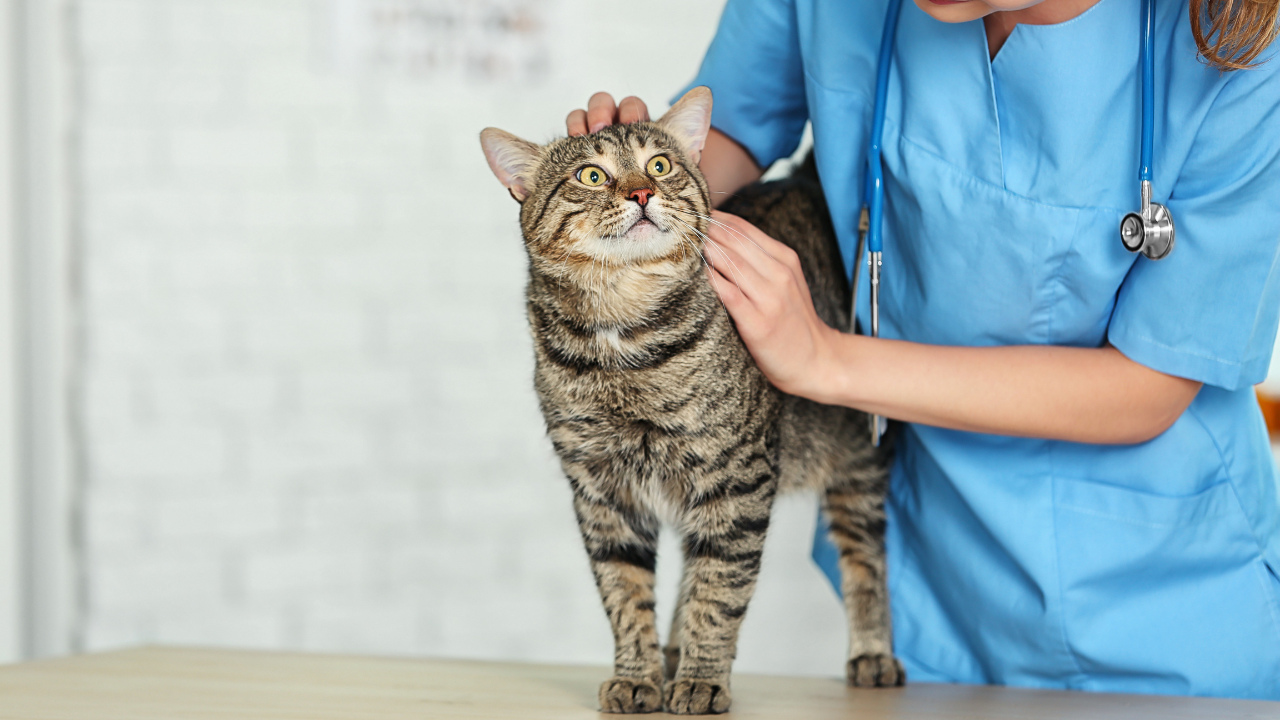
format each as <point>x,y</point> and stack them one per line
<point>1148,231</point>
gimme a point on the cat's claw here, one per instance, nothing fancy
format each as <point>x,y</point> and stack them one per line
<point>697,697</point>
<point>876,670</point>
<point>629,695</point>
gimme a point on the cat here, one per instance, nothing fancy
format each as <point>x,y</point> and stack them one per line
<point>658,412</point>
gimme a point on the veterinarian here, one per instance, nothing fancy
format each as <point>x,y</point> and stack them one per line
<point>1083,494</point>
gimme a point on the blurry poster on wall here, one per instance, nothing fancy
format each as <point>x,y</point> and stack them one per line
<point>500,41</point>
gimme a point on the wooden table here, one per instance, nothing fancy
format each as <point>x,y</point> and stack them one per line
<point>187,684</point>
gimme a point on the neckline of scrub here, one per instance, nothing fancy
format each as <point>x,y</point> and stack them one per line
<point>1018,36</point>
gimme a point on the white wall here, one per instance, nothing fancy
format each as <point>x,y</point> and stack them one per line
<point>11,586</point>
<point>307,409</point>
<point>47,286</point>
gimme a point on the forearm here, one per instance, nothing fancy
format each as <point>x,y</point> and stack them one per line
<point>1092,395</point>
<point>727,166</point>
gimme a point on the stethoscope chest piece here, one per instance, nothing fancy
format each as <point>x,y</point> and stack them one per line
<point>1149,231</point>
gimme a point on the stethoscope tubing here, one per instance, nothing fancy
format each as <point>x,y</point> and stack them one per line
<point>874,188</point>
<point>1146,61</point>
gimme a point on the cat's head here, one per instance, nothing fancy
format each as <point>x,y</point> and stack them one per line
<point>628,195</point>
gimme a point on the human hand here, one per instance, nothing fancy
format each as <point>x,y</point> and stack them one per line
<point>601,112</point>
<point>760,282</point>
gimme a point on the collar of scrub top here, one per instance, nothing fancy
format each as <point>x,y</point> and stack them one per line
<point>1149,231</point>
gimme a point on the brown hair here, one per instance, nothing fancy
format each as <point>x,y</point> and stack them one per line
<point>1238,30</point>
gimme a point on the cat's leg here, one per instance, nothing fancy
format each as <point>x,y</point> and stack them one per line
<point>722,549</point>
<point>623,552</point>
<point>857,530</point>
<point>671,652</point>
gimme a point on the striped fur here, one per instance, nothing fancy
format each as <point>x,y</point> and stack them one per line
<point>658,412</point>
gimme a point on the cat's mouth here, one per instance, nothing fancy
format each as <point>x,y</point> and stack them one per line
<point>641,228</point>
<point>638,238</point>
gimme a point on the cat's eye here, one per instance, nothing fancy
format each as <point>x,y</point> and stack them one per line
<point>658,166</point>
<point>592,176</point>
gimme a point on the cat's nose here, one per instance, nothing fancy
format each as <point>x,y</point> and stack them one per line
<point>641,195</point>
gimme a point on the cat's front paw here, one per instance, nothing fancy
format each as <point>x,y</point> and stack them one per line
<point>629,695</point>
<point>697,697</point>
<point>876,670</point>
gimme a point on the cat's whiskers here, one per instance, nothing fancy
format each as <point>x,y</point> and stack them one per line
<point>698,251</point>
<point>733,268</point>
<point>726,227</point>
<point>685,239</point>
<point>733,265</point>
<point>694,246</point>
<point>710,219</point>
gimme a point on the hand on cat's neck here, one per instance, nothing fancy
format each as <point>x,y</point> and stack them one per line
<point>1000,25</point>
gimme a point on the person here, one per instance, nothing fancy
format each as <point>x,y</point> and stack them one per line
<point>1083,494</point>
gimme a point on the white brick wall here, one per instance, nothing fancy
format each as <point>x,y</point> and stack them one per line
<point>307,404</point>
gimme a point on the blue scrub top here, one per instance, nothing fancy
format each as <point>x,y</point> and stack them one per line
<point>1140,568</point>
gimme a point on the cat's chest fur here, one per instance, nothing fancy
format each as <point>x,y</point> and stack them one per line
<point>643,408</point>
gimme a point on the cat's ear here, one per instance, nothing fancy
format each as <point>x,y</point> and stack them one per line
<point>513,160</point>
<point>689,120</point>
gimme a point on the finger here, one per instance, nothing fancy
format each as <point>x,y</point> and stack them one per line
<point>745,258</point>
<point>731,264</point>
<point>769,285</point>
<point>576,123</point>
<point>723,286</point>
<point>744,314</point>
<point>749,234</point>
<point>735,302</point>
<point>776,250</point>
<point>632,109</point>
<point>601,112</point>
<point>772,259</point>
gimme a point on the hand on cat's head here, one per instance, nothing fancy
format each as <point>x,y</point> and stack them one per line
<point>601,113</point>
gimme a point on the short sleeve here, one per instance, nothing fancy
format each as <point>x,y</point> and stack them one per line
<point>1209,310</point>
<point>756,76</point>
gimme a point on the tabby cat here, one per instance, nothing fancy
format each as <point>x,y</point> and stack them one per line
<point>658,412</point>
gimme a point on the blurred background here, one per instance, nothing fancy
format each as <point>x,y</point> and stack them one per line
<point>265,374</point>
